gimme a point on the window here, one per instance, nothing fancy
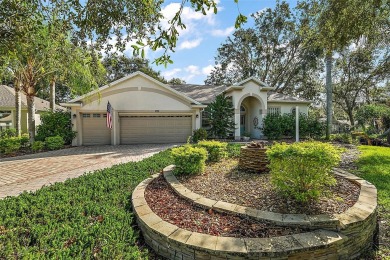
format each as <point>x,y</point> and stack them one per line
<point>273,111</point>
<point>86,115</point>
<point>242,109</point>
<point>205,119</point>
<point>293,110</point>
<point>4,114</point>
<point>96,115</point>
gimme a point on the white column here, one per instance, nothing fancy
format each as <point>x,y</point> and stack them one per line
<point>237,135</point>
<point>297,124</point>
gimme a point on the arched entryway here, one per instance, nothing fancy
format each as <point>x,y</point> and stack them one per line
<point>251,117</point>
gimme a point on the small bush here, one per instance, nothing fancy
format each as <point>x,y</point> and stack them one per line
<point>56,123</point>
<point>6,133</point>
<point>54,142</point>
<point>37,146</point>
<point>199,135</point>
<point>189,159</point>
<point>216,150</point>
<point>233,150</point>
<point>303,170</point>
<point>9,145</point>
<point>24,140</point>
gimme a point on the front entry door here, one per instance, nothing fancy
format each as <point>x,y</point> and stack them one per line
<point>242,124</point>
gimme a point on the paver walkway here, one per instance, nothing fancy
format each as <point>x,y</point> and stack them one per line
<point>31,172</point>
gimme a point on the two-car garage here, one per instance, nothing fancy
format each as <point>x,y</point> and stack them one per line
<point>137,129</point>
<point>154,129</point>
<point>143,111</point>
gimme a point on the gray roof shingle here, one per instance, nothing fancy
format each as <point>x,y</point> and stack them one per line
<point>204,94</point>
<point>7,99</point>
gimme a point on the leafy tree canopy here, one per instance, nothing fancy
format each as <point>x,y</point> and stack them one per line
<point>119,66</point>
<point>273,51</point>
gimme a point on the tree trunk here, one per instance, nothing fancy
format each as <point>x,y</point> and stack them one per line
<point>351,118</point>
<point>18,109</point>
<point>31,117</point>
<point>53,95</point>
<point>329,104</point>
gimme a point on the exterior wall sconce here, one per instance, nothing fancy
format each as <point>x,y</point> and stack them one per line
<point>74,116</point>
<point>197,115</point>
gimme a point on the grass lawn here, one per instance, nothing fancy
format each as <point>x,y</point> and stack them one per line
<point>374,166</point>
<point>83,218</point>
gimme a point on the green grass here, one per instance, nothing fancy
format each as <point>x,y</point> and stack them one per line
<point>374,166</point>
<point>83,218</point>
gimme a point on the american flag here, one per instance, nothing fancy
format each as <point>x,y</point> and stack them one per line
<point>109,116</point>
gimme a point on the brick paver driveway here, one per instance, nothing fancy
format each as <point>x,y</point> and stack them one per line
<point>31,172</point>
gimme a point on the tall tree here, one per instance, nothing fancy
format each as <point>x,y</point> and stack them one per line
<point>273,51</point>
<point>221,117</point>
<point>359,77</point>
<point>118,66</point>
<point>333,24</point>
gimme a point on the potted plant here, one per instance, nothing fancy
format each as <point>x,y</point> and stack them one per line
<point>246,136</point>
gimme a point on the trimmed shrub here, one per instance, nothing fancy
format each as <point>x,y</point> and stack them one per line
<point>303,170</point>
<point>216,150</point>
<point>24,140</point>
<point>199,135</point>
<point>276,126</point>
<point>56,124</point>
<point>54,142</point>
<point>6,133</point>
<point>37,146</point>
<point>233,150</point>
<point>9,145</point>
<point>189,159</point>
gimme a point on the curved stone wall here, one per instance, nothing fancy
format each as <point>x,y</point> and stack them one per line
<point>344,236</point>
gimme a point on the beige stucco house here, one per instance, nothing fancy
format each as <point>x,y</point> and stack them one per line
<point>7,109</point>
<point>145,110</point>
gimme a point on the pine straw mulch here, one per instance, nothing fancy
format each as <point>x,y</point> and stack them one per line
<point>170,207</point>
<point>226,182</point>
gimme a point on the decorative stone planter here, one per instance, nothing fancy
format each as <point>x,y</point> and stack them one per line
<point>343,236</point>
<point>253,159</point>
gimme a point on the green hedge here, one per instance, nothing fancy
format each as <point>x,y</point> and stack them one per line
<point>37,146</point>
<point>189,159</point>
<point>10,145</point>
<point>56,123</point>
<point>275,126</point>
<point>303,170</point>
<point>85,218</point>
<point>54,142</point>
<point>216,150</point>
<point>199,135</point>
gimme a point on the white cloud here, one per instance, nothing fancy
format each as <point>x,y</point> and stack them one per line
<point>193,69</point>
<point>169,74</point>
<point>207,70</point>
<point>222,33</point>
<point>190,44</point>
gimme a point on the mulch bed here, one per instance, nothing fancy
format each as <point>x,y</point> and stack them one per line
<point>226,182</point>
<point>27,151</point>
<point>178,211</point>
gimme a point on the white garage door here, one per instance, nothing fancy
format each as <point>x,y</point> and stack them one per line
<point>154,129</point>
<point>95,131</point>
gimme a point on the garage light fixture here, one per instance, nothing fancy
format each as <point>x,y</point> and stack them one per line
<point>74,116</point>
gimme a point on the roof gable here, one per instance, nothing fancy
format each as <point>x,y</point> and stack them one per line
<point>133,75</point>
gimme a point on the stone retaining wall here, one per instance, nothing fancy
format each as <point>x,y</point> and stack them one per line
<point>253,159</point>
<point>355,229</point>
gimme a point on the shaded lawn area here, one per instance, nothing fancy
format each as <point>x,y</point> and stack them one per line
<point>374,166</point>
<point>83,218</point>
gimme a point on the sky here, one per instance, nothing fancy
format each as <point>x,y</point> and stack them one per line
<point>197,45</point>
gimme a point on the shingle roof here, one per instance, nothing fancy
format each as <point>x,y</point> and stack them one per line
<point>202,93</point>
<point>279,97</point>
<point>7,99</point>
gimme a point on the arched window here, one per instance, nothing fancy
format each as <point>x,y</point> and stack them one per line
<point>242,109</point>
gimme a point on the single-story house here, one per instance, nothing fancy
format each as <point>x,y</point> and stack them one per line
<point>7,109</point>
<point>145,110</point>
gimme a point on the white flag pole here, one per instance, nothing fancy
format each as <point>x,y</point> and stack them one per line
<point>297,124</point>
